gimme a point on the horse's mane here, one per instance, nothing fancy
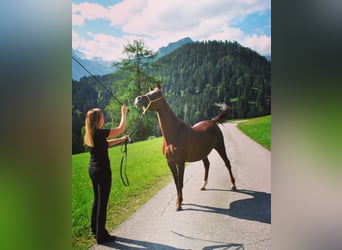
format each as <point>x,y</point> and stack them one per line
<point>222,116</point>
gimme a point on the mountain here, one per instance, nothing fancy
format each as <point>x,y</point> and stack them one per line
<point>96,66</point>
<point>163,51</point>
<point>100,67</point>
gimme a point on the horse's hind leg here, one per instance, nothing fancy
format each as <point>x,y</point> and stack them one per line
<point>180,168</point>
<point>220,148</point>
<point>206,172</point>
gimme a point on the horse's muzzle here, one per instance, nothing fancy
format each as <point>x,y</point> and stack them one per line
<point>137,101</point>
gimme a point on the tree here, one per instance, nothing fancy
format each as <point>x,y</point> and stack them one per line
<point>77,136</point>
<point>131,79</point>
<point>139,60</point>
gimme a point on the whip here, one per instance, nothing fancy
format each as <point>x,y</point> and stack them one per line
<point>124,150</point>
<point>98,81</point>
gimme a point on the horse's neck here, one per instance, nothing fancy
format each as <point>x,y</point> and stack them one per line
<point>169,124</point>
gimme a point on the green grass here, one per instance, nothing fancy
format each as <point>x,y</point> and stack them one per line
<point>259,129</point>
<point>147,172</point>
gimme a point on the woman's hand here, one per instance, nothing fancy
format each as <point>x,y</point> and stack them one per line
<point>126,138</point>
<point>121,128</point>
<point>124,109</point>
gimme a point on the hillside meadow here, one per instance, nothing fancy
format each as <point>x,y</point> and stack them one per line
<point>147,172</point>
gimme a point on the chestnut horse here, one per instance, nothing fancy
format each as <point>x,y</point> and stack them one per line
<point>182,143</point>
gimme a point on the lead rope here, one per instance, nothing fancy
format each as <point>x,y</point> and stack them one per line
<point>124,151</point>
<point>123,173</point>
<point>123,170</point>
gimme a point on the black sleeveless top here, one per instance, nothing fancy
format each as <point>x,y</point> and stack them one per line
<point>99,153</point>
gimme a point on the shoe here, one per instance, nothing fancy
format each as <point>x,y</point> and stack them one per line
<point>93,233</point>
<point>107,238</point>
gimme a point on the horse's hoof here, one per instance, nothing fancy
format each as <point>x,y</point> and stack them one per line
<point>178,208</point>
<point>202,188</point>
<point>233,188</point>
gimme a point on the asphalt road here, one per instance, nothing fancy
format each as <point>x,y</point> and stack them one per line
<point>216,218</point>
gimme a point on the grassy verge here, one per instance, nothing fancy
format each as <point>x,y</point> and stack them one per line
<point>259,129</point>
<point>147,172</point>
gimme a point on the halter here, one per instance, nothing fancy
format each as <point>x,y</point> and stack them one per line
<point>150,102</point>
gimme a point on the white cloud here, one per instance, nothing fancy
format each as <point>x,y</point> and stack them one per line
<point>227,33</point>
<point>261,44</point>
<point>101,45</point>
<point>160,22</point>
<point>76,40</point>
<point>124,12</point>
<point>156,17</point>
<point>77,20</point>
<point>88,11</point>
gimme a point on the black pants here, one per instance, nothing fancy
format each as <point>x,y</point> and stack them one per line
<point>102,182</point>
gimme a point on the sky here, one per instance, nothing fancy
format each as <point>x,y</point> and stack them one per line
<point>101,28</point>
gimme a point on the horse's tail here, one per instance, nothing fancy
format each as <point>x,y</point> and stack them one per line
<point>222,116</point>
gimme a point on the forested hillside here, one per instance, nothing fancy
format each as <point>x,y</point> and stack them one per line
<point>199,74</point>
<point>194,77</point>
<point>86,94</point>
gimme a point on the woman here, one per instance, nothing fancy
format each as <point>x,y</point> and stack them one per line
<point>99,167</point>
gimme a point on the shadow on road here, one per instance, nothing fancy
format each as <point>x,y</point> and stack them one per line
<point>232,246</point>
<point>124,243</point>
<point>218,245</point>
<point>256,208</point>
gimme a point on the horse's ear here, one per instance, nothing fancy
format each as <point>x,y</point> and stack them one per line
<point>149,88</point>
<point>158,85</point>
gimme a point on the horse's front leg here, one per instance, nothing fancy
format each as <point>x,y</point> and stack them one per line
<point>174,170</point>
<point>180,170</point>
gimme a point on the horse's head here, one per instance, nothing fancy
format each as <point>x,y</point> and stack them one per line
<point>150,99</point>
